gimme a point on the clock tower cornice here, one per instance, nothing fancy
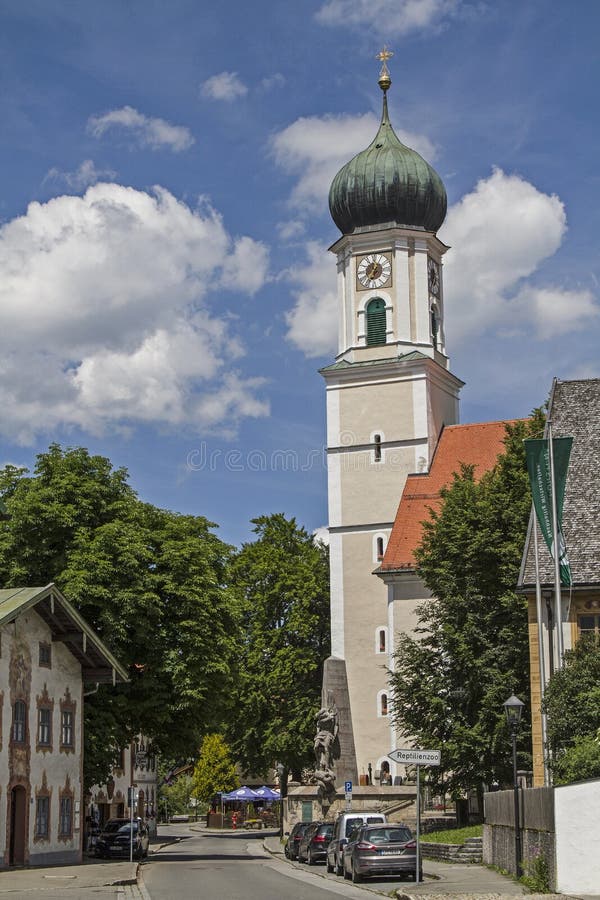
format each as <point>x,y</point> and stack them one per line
<point>387,239</point>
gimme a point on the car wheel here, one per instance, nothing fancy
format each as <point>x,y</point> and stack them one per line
<point>339,870</point>
<point>309,859</point>
<point>356,876</point>
<point>286,852</point>
<point>347,874</point>
<point>329,866</point>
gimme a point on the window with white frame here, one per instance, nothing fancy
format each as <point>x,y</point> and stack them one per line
<point>381,641</point>
<point>383,706</point>
<point>379,546</point>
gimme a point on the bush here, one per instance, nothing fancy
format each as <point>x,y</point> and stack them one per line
<point>537,877</point>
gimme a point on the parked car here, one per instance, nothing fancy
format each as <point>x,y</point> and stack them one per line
<point>387,849</point>
<point>344,825</point>
<point>115,838</point>
<point>313,846</point>
<point>294,838</point>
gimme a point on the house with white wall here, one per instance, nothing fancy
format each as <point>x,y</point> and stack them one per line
<point>47,654</point>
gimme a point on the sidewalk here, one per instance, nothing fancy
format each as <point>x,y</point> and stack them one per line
<point>445,881</point>
<point>78,880</point>
<point>68,878</point>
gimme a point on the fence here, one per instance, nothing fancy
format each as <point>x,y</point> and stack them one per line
<point>537,824</point>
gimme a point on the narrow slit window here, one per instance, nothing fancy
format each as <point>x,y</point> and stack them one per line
<point>382,642</point>
<point>380,548</point>
<point>377,450</point>
<point>384,705</point>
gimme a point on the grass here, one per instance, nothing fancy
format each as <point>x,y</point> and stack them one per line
<point>453,835</point>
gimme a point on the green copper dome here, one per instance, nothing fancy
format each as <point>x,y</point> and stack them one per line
<point>387,183</point>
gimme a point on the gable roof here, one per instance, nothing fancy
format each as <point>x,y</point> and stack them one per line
<point>478,445</point>
<point>574,410</point>
<point>68,626</point>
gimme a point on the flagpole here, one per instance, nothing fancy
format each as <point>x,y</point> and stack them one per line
<point>556,554</point>
<point>542,662</point>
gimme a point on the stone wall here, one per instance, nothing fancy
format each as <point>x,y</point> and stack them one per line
<point>536,815</point>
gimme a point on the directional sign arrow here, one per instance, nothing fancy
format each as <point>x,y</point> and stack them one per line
<point>416,757</point>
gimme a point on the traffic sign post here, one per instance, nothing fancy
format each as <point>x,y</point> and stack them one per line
<point>348,792</point>
<point>418,758</point>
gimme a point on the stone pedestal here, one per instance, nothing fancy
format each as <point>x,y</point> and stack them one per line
<point>335,686</point>
<point>397,802</point>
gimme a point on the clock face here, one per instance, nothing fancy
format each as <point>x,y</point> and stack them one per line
<point>374,270</point>
<point>434,277</point>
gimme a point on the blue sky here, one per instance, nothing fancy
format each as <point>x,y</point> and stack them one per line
<point>166,296</point>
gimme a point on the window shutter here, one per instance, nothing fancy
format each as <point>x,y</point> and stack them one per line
<point>376,322</point>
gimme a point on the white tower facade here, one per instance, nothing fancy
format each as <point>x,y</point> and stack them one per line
<point>389,394</point>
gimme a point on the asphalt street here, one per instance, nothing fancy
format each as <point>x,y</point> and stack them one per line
<point>207,865</point>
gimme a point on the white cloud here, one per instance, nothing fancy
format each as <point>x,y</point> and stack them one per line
<point>555,311</point>
<point>500,234</point>
<point>246,268</point>
<point>149,132</point>
<point>315,148</point>
<point>273,81</point>
<point>321,534</point>
<point>224,86</point>
<point>290,230</point>
<point>390,17</point>
<point>312,323</point>
<point>104,320</point>
<point>82,177</point>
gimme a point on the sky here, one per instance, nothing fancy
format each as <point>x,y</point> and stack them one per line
<point>166,293</point>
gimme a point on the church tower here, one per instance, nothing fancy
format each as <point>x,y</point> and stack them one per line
<point>389,394</point>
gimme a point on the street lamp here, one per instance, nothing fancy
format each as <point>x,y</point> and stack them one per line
<point>513,708</point>
<point>280,769</point>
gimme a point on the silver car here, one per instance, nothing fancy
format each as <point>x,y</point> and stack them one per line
<point>386,849</point>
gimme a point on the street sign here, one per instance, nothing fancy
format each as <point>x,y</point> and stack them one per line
<point>416,757</point>
<point>348,787</point>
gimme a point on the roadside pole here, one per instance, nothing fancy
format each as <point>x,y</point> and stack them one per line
<point>418,758</point>
<point>348,793</point>
<point>132,799</point>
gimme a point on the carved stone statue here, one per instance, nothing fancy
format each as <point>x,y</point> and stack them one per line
<point>327,750</point>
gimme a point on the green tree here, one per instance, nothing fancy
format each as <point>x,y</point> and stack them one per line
<point>470,648</point>
<point>151,582</point>
<point>281,581</point>
<point>215,769</point>
<point>174,799</point>
<point>572,704</point>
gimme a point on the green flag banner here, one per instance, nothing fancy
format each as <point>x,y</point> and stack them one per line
<point>538,466</point>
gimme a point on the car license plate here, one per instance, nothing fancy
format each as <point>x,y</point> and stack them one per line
<point>391,852</point>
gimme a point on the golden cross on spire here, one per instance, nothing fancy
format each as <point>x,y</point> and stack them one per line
<point>384,54</point>
<point>384,76</point>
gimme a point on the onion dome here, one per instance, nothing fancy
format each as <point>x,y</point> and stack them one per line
<point>388,183</point>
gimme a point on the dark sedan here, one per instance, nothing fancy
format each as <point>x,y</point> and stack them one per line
<point>380,850</point>
<point>294,838</point>
<point>115,839</point>
<point>313,846</point>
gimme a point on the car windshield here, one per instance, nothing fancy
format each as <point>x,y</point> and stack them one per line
<point>120,826</point>
<point>388,835</point>
<point>326,830</point>
<point>351,824</point>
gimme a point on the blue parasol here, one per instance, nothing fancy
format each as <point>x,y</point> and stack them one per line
<point>265,793</point>
<point>243,793</point>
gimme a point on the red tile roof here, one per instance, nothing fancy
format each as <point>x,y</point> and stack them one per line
<point>478,445</point>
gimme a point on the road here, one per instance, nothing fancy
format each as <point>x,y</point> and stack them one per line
<point>212,866</point>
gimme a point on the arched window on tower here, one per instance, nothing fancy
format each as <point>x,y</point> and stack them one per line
<point>376,322</point>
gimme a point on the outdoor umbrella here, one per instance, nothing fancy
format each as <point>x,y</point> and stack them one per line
<point>243,793</point>
<point>265,793</point>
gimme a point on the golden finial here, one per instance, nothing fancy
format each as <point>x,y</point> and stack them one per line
<point>384,76</point>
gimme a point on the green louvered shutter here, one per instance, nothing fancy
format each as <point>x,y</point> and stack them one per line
<point>376,324</point>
